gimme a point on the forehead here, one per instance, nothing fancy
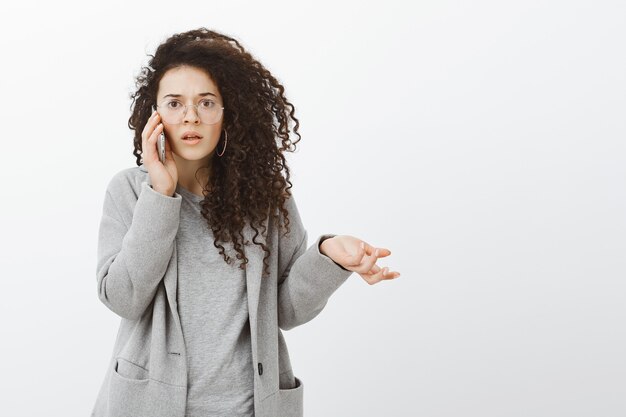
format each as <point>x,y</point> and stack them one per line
<point>186,81</point>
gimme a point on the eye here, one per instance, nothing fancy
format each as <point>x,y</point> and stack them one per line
<point>170,104</point>
<point>207,103</point>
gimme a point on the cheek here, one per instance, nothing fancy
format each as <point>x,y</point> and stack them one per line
<point>168,131</point>
<point>215,133</point>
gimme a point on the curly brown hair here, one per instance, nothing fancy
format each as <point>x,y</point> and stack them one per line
<point>247,182</point>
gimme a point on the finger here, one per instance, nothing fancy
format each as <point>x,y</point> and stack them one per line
<point>367,276</point>
<point>384,273</point>
<point>364,252</point>
<point>150,125</point>
<point>368,262</point>
<point>375,269</point>
<point>149,128</point>
<point>151,151</point>
<point>383,252</point>
<point>354,260</point>
<point>369,249</point>
<point>387,273</point>
<point>371,278</point>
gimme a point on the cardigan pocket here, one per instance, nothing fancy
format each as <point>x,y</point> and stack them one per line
<point>290,400</point>
<point>133,394</point>
<point>128,370</point>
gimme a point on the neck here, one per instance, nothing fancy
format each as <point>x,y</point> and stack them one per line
<point>188,177</point>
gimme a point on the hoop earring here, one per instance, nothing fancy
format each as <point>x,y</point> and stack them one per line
<point>225,143</point>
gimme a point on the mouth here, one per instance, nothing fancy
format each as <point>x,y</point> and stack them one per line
<point>191,136</point>
<point>191,140</point>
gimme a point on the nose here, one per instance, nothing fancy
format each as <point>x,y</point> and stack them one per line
<point>191,116</point>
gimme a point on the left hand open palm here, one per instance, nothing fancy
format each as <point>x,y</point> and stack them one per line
<point>358,256</point>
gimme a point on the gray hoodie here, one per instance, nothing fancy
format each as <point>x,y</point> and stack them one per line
<point>137,278</point>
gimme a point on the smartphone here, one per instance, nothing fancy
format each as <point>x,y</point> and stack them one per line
<point>161,144</point>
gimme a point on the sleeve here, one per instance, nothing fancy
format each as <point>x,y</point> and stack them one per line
<point>132,260</point>
<point>309,277</point>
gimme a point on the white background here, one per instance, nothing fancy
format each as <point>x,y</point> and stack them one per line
<point>482,142</point>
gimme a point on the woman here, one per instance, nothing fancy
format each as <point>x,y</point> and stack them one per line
<point>198,336</point>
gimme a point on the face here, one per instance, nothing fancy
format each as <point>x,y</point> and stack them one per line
<point>189,85</point>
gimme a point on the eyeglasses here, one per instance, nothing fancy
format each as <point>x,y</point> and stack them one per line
<point>173,111</point>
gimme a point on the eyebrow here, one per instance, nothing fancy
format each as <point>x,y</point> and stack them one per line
<point>199,95</point>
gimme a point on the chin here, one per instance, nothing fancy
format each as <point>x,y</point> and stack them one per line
<point>195,154</point>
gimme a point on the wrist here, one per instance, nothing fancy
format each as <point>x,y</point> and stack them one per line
<point>165,192</point>
<point>321,250</point>
<point>321,245</point>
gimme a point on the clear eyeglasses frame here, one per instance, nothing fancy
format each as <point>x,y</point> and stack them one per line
<point>207,115</point>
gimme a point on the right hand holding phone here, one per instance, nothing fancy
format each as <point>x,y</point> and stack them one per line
<point>163,177</point>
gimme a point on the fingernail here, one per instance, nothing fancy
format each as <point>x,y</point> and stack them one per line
<point>376,252</point>
<point>362,245</point>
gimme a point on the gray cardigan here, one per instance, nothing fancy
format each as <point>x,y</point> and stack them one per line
<point>137,278</point>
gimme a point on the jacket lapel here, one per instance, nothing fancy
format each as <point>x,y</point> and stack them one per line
<point>253,271</point>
